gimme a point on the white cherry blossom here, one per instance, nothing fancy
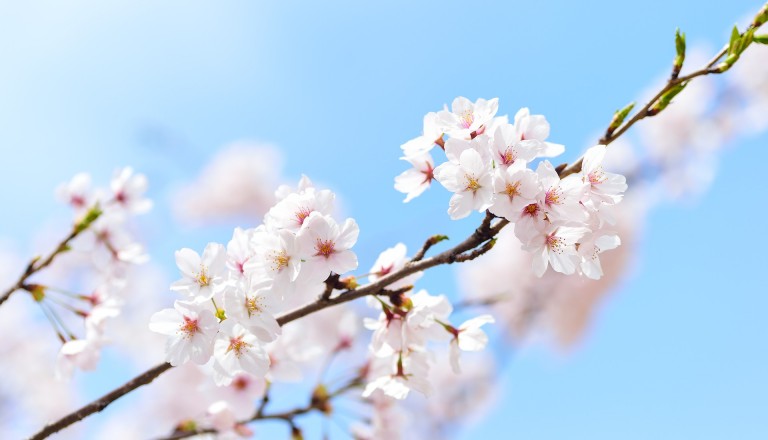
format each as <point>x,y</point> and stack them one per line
<point>469,176</point>
<point>237,350</point>
<point>190,328</point>
<point>413,182</point>
<point>555,246</point>
<point>128,191</point>
<point>326,246</point>
<point>467,119</point>
<point>468,337</point>
<point>204,276</point>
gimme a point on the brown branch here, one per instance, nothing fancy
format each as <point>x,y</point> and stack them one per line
<point>481,235</point>
<point>37,264</point>
<point>431,241</point>
<point>102,402</point>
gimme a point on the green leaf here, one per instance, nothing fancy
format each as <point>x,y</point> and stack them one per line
<point>735,37</point>
<point>762,39</point>
<point>620,115</point>
<point>667,98</point>
<point>680,43</point>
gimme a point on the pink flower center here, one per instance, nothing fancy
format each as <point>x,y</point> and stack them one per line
<point>280,260</point>
<point>254,305</point>
<point>302,214</point>
<point>324,248</point>
<point>237,345</point>
<point>512,190</point>
<point>240,383</point>
<point>508,156</point>
<point>555,243</point>
<point>532,210</point>
<point>385,270</point>
<point>472,183</point>
<point>597,177</point>
<point>466,119</point>
<point>189,327</point>
<point>428,173</point>
<point>553,196</point>
<point>77,201</point>
<point>202,278</point>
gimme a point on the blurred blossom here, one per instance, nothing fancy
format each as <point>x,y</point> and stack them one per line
<point>749,78</point>
<point>239,181</point>
<point>556,307</point>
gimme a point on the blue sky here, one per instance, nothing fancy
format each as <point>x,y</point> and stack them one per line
<point>677,352</point>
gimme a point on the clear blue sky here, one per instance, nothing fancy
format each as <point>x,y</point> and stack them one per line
<point>678,352</point>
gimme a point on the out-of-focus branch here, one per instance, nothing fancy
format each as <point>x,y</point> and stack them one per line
<point>463,251</point>
<point>102,402</point>
<point>39,263</point>
<point>318,402</point>
<point>675,84</point>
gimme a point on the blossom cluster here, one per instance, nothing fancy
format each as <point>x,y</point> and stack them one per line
<point>231,295</point>
<point>103,234</point>
<point>563,222</point>
<point>399,354</point>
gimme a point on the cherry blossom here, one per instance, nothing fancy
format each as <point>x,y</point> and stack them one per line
<point>415,181</point>
<point>203,276</point>
<point>190,328</point>
<point>468,337</point>
<point>326,246</point>
<point>237,350</point>
<point>467,119</point>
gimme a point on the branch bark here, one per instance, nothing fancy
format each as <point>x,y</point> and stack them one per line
<point>459,253</point>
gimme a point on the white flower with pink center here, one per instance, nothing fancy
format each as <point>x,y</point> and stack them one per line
<point>590,247</point>
<point>253,306</point>
<point>81,353</point>
<point>275,260</point>
<point>77,193</point>
<point>392,260</point>
<point>204,276</point>
<point>467,119</point>
<point>603,187</point>
<point>516,187</point>
<point>555,246</point>
<point>397,375</point>
<point>326,247</point>
<point>468,175</point>
<point>190,328</point>
<point>416,180</point>
<point>509,149</point>
<point>561,198</point>
<point>239,251</point>
<point>468,337</point>
<point>128,191</point>
<point>237,351</point>
<point>291,212</point>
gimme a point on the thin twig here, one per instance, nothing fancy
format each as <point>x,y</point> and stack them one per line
<point>645,112</point>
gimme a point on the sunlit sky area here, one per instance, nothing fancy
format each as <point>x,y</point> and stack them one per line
<point>678,350</point>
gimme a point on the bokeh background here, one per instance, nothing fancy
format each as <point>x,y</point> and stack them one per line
<point>331,89</point>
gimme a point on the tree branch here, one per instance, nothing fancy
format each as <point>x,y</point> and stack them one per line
<point>649,110</point>
<point>481,235</point>
<point>102,402</point>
